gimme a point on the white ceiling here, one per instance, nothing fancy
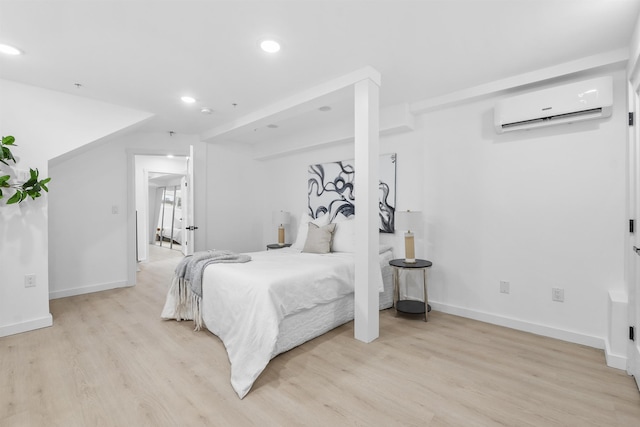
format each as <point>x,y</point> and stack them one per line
<point>145,54</point>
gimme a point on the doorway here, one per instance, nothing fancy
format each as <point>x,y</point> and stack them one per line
<point>139,233</point>
<point>166,220</point>
<point>158,191</point>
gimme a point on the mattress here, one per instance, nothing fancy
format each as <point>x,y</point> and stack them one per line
<point>306,325</point>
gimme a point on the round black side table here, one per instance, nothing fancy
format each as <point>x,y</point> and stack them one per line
<point>277,246</point>
<point>410,306</point>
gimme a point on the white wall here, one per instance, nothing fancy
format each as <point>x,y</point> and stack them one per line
<point>46,124</point>
<point>288,175</point>
<point>634,48</point>
<point>539,209</point>
<point>91,184</point>
<point>88,240</point>
<point>234,199</point>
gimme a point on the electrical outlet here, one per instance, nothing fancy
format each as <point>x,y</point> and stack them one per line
<point>504,287</point>
<point>557,294</point>
<point>29,280</point>
<point>115,210</point>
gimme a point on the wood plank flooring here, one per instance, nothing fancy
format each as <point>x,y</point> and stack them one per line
<point>109,360</point>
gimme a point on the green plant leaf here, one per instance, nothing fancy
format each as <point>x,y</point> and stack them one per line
<point>16,198</point>
<point>6,155</point>
<point>29,184</point>
<point>31,188</point>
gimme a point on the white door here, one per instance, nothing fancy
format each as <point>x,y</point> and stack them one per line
<point>189,228</point>
<point>633,361</point>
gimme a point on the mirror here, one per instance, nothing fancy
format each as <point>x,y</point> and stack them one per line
<point>169,229</point>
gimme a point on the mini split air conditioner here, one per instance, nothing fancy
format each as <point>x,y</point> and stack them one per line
<point>585,100</point>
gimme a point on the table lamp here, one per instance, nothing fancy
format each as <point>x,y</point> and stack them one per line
<point>409,220</point>
<point>281,218</point>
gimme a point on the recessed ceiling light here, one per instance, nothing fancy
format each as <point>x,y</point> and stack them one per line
<point>272,126</point>
<point>169,156</point>
<point>9,50</point>
<point>325,108</point>
<point>206,110</point>
<point>270,46</point>
<point>188,99</point>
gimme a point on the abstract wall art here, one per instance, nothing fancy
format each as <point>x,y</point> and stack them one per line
<point>331,190</point>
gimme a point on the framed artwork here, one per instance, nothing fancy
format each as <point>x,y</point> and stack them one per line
<point>331,190</point>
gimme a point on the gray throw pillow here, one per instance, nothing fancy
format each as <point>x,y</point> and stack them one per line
<point>319,239</point>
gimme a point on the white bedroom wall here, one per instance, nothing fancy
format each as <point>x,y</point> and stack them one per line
<point>540,209</point>
<point>287,186</point>
<point>233,200</point>
<point>97,256</point>
<point>46,124</point>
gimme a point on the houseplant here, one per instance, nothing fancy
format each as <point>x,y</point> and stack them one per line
<point>30,188</point>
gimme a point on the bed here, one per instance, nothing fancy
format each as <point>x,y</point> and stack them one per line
<point>277,301</point>
<point>166,233</point>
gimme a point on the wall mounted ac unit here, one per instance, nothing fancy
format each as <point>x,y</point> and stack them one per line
<point>585,100</point>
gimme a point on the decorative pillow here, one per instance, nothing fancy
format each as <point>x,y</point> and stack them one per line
<point>305,219</point>
<point>344,238</point>
<point>319,239</point>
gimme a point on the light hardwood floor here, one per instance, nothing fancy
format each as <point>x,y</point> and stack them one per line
<point>109,360</point>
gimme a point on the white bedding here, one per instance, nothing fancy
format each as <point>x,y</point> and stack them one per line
<point>166,234</point>
<point>245,304</point>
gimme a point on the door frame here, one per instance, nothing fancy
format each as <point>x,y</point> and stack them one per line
<point>632,259</point>
<point>188,226</point>
<point>132,261</point>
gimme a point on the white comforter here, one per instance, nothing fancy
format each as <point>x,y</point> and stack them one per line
<point>261,293</point>
<point>243,304</point>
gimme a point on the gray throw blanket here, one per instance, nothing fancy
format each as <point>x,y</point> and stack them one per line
<point>187,281</point>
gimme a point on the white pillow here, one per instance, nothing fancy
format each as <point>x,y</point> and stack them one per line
<point>319,239</point>
<point>344,238</point>
<point>303,228</point>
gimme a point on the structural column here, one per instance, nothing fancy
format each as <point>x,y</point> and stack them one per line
<point>367,266</point>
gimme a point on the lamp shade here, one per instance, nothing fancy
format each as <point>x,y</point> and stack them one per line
<point>408,220</point>
<point>281,217</point>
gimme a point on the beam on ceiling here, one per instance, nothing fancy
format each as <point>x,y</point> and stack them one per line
<point>290,107</point>
<point>612,58</point>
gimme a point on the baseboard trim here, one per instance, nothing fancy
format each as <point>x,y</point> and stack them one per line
<point>29,325</point>
<point>614,360</point>
<point>63,293</point>
<point>534,328</point>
